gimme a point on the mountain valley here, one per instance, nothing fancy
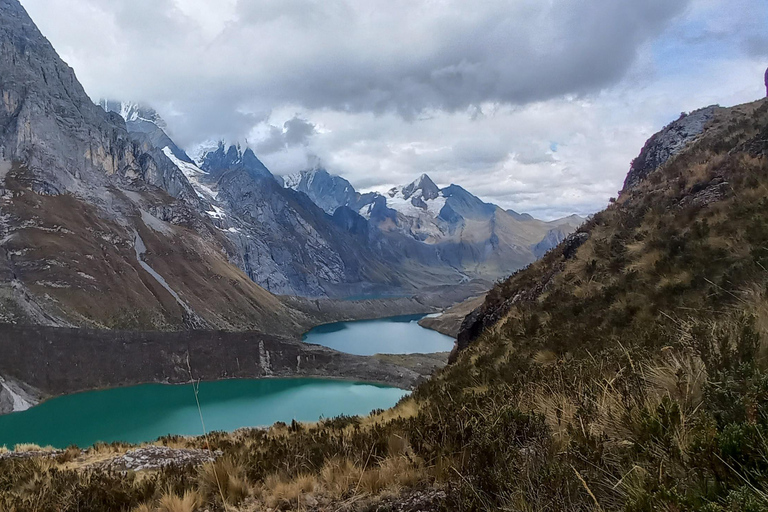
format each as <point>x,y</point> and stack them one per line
<point>612,363</point>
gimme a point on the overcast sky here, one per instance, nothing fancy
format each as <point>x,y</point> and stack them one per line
<point>536,105</point>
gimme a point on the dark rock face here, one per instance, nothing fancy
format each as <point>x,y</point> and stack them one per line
<point>59,361</point>
<point>715,190</point>
<point>666,144</point>
<point>234,159</point>
<point>350,221</point>
<point>287,243</point>
<point>326,191</point>
<point>48,122</point>
<point>766,82</point>
<point>467,205</point>
<point>424,184</point>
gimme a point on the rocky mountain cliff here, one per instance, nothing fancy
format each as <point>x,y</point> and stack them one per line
<point>107,223</point>
<point>98,226</point>
<point>474,237</point>
<point>317,236</point>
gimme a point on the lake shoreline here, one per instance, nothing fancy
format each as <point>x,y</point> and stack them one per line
<point>146,412</point>
<point>45,362</point>
<point>39,362</point>
<point>49,361</point>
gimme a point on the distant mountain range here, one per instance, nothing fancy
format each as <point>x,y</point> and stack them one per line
<point>311,233</point>
<point>106,222</point>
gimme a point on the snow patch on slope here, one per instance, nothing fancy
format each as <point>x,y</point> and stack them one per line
<point>292,180</point>
<point>216,212</point>
<point>19,403</point>
<point>193,174</point>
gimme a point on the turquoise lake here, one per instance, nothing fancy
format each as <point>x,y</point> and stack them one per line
<point>395,335</point>
<point>143,413</point>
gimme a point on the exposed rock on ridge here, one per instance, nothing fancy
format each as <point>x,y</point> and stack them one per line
<point>666,144</point>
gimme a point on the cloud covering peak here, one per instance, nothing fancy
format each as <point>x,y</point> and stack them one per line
<point>381,90</point>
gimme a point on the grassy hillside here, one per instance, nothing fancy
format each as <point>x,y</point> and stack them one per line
<point>626,370</point>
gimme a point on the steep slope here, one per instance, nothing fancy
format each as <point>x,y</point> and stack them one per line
<point>476,238</point>
<point>413,237</point>
<point>99,227</point>
<point>285,241</point>
<point>640,340</point>
<point>625,370</point>
<point>326,191</point>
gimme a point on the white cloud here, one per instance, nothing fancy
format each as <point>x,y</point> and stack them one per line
<point>476,93</point>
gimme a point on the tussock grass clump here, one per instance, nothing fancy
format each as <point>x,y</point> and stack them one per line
<point>31,447</point>
<point>280,491</point>
<point>339,476</point>
<point>68,455</point>
<point>189,501</point>
<point>392,474</point>
<point>223,479</point>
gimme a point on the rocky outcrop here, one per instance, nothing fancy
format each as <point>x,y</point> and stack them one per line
<point>61,361</point>
<point>151,458</point>
<point>16,396</point>
<point>706,193</point>
<point>667,143</point>
<point>141,119</point>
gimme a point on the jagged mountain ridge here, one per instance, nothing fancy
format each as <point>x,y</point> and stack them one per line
<point>429,214</point>
<point>341,242</point>
<point>98,226</point>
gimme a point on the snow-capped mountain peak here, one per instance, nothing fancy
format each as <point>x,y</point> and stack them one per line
<point>422,187</point>
<point>132,111</point>
<point>417,198</point>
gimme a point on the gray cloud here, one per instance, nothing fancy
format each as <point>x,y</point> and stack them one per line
<point>295,132</point>
<point>400,56</point>
<point>474,93</point>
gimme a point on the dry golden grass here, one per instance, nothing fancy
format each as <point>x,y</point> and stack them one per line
<point>31,447</point>
<point>278,491</point>
<point>172,502</point>
<point>557,408</point>
<point>69,455</point>
<point>225,480</point>
<point>644,262</point>
<point>4,449</point>
<point>545,357</point>
<point>338,476</point>
<point>104,449</point>
<point>679,279</point>
<point>405,409</point>
<point>392,474</point>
